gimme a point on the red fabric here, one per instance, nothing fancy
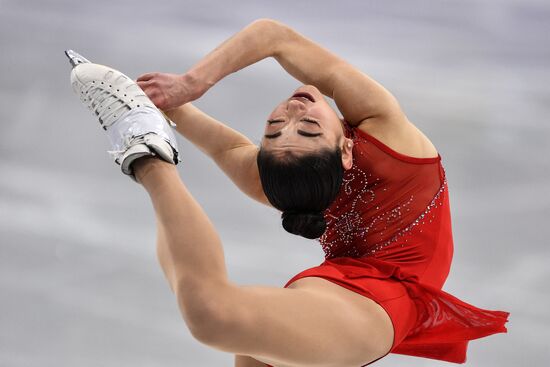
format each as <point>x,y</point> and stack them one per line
<point>389,238</point>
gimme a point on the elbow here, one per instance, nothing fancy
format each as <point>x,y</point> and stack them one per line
<point>274,31</point>
<point>265,23</point>
<point>269,27</point>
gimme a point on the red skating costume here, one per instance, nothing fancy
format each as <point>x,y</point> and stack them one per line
<point>389,238</point>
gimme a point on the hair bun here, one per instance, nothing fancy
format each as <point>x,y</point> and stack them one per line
<point>306,224</point>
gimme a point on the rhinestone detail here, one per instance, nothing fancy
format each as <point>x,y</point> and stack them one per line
<point>351,228</point>
<point>346,233</point>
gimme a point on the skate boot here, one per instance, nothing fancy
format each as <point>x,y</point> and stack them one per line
<point>134,126</point>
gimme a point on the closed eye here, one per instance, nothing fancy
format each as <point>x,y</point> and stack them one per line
<point>301,132</point>
<point>311,135</point>
<point>311,121</point>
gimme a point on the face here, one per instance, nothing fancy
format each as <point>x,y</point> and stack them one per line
<point>304,123</point>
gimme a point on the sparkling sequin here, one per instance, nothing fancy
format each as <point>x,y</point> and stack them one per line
<point>361,224</point>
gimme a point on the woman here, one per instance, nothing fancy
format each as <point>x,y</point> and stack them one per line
<point>371,187</point>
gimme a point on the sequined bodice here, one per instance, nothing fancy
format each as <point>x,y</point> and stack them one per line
<point>382,197</point>
<point>389,238</point>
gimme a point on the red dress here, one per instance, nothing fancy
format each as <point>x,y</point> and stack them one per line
<point>389,238</point>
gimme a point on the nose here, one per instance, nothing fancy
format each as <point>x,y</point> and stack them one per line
<point>295,107</point>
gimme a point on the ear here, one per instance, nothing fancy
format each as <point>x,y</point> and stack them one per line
<point>347,153</point>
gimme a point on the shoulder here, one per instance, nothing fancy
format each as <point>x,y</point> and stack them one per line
<point>400,135</point>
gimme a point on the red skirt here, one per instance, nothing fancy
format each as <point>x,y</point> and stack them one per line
<point>427,321</point>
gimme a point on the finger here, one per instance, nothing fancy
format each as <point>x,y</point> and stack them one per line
<point>147,87</point>
<point>143,85</point>
<point>158,101</point>
<point>151,93</point>
<point>145,77</point>
<point>153,96</point>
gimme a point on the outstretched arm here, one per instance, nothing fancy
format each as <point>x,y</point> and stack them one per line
<point>357,96</point>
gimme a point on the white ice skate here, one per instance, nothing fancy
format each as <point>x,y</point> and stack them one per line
<point>134,126</point>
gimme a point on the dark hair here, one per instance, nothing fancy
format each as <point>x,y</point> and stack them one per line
<point>302,187</point>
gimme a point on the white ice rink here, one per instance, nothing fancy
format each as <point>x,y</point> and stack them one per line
<point>80,285</point>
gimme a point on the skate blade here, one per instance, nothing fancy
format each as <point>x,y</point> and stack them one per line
<point>75,58</point>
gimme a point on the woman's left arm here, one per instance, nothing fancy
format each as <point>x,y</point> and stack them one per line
<point>255,42</point>
<point>357,96</point>
<point>232,152</point>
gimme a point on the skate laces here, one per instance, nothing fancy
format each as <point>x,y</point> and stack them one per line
<point>104,104</point>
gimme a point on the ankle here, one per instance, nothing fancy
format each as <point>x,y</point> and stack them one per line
<point>144,166</point>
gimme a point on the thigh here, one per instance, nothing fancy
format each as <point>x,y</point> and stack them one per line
<point>247,361</point>
<point>316,323</point>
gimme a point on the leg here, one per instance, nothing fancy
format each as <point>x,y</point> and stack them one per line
<point>246,361</point>
<point>189,248</point>
<point>315,323</point>
<point>163,255</point>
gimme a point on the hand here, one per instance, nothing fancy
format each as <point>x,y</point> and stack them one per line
<point>168,91</point>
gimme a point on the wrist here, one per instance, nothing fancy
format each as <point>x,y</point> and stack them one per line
<point>195,84</point>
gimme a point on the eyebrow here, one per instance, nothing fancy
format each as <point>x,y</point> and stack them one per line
<point>301,132</point>
<point>311,121</point>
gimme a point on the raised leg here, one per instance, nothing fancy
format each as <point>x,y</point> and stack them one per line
<point>194,247</point>
<point>246,361</point>
<point>164,257</point>
<point>315,323</point>
<point>312,323</point>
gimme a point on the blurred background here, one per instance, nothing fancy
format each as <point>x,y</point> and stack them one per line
<point>79,281</point>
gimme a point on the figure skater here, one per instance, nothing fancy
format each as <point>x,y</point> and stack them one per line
<point>370,187</point>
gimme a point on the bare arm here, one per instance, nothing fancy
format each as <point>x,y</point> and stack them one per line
<point>357,96</point>
<point>233,152</point>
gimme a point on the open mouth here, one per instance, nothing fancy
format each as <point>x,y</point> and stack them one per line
<point>305,95</point>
